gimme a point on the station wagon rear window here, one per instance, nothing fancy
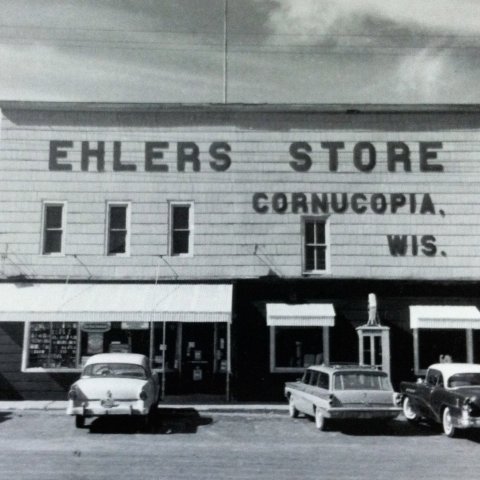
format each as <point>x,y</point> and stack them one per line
<point>124,370</point>
<point>361,381</point>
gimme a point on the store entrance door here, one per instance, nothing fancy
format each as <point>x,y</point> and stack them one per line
<point>203,358</point>
<point>195,356</point>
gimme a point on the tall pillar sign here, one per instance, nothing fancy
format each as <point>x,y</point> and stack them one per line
<point>374,339</point>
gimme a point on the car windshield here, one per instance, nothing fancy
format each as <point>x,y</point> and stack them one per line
<point>361,381</point>
<point>464,380</point>
<point>114,370</point>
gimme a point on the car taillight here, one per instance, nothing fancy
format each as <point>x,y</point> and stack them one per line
<point>73,394</point>
<point>143,395</point>
<point>333,401</point>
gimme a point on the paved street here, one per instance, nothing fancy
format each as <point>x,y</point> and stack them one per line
<point>202,445</point>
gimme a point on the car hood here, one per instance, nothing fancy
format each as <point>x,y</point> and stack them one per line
<point>365,398</point>
<point>104,387</point>
<point>471,392</point>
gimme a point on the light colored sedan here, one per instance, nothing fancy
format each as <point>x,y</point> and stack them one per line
<point>114,384</point>
<point>345,392</point>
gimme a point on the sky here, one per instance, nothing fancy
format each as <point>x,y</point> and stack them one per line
<point>275,51</point>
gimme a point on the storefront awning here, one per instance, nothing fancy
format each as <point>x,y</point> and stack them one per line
<point>444,316</point>
<point>115,303</point>
<point>304,315</point>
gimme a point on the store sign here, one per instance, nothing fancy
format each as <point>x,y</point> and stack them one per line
<point>135,325</point>
<point>95,327</point>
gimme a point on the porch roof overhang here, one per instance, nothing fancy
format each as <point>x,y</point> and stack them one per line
<point>200,303</point>
<point>445,317</point>
<point>300,315</point>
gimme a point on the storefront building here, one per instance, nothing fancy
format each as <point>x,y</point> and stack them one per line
<point>235,244</point>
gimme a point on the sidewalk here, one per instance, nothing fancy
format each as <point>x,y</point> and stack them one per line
<point>59,405</point>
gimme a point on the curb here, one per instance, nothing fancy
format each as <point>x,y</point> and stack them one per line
<point>27,405</point>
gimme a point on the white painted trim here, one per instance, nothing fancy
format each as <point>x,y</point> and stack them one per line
<point>53,203</point>
<point>328,246</point>
<point>191,226</point>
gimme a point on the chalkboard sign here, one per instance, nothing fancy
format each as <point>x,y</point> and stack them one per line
<point>53,345</point>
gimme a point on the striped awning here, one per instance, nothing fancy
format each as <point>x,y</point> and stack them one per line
<point>115,302</point>
<point>300,315</point>
<point>444,316</point>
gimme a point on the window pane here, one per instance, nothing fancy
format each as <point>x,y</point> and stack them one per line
<point>309,258</point>
<point>53,216</point>
<point>320,230</point>
<point>320,258</point>
<point>366,350</point>
<point>436,342</point>
<point>309,232</point>
<point>118,217</point>
<point>116,242</point>
<point>180,217</point>
<point>298,346</point>
<point>53,241</point>
<point>378,350</point>
<point>180,242</point>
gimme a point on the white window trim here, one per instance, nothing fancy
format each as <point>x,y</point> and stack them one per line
<point>25,356</point>
<point>326,220</point>
<point>53,203</point>
<point>128,223</point>
<point>191,227</point>
<point>275,369</point>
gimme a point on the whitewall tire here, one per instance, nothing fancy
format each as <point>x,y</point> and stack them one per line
<point>292,409</point>
<point>320,421</point>
<point>409,412</point>
<point>447,423</point>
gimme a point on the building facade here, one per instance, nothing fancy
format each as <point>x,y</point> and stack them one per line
<point>235,244</point>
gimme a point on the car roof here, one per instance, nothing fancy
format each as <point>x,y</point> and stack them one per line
<point>449,369</point>
<point>344,368</point>
<point>134,358</point>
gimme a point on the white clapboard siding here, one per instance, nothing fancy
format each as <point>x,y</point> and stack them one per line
<point>230,239</point>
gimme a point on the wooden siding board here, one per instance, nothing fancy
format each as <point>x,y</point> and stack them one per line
<point>226,229</point>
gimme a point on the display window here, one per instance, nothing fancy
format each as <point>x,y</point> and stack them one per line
<point>294,348</point>
<point>64,346</point>
<point>440,345</point>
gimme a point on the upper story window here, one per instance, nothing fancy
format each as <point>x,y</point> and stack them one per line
<point>53,228</point>
<point>181,228</point>
<point>315,244</point>
<point>118,229</point>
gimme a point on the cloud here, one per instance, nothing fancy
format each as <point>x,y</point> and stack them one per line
<point>308,18</point>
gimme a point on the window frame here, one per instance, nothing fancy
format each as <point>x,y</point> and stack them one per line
<point>325,345</point>
<point>325,219</point>
<point>181,203</point>
<point>63,229</point>
<point>127,205</point>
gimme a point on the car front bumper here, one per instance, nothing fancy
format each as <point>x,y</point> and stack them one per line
<point>363,413</point>
<point>96,408</point>
<point>466,422</point>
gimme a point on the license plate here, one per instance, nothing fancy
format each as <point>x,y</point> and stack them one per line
<point>108,403</point>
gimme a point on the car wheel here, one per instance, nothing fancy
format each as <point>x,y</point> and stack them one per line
<point>447,423</point>
<point>409,412</point>
<point>320,421</point>
<point>292,409</point>
<point>79,421</point>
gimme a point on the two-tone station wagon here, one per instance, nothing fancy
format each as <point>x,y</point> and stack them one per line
<point>342,392</point>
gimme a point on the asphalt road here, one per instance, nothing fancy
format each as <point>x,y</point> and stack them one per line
<point>188,444</point>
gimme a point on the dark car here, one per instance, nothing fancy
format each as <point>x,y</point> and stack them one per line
<point>449,395</point>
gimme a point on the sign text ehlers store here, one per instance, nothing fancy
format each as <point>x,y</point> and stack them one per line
<point>302,157</point>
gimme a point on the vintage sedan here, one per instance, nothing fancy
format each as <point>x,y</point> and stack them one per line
<point>342,392</point>
<point>449,395</point>
<point>114,384</point>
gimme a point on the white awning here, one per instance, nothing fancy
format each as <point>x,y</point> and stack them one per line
<point>115,303</point>
<point>304,315</point>
<point>444,316</point>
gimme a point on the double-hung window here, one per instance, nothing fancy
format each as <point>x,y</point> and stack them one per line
<point>53,228</point>
<point>315,244</point>
<point>118,238</point>
<point>181,228</point>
